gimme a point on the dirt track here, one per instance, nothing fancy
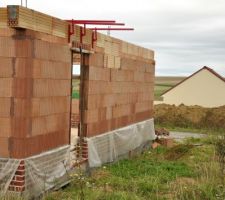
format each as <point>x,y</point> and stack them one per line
<point>180,136</point>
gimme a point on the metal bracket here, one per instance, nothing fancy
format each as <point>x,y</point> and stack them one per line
<point>82,33</point>
<point>94,37</point>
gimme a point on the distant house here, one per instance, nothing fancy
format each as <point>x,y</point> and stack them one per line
<point>204,88</point>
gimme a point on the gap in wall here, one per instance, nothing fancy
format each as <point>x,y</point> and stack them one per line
<point>75,110</point>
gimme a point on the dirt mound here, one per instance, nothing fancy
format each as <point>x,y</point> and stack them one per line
<point>190,116</point>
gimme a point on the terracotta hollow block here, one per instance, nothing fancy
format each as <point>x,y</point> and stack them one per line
<point>38,126</point>
<point>6,87</point>
<point>22,107</point>
<point>99,74</point>
<point>54,105</point>
<point>24,47</point>
<point>143,115</point>
<point>57,122</point>
<point>6,67</point>
<point>7,47</point>
<point>23,148</point>
<point>21,127</point>
<point>5,107</point>
<point>139,76</point>
<point>35,110</point>
<point>41,49</point>
<point>122,75</point>
<point>4,147</point>
<point>22,87</point>
<point>143,106</point>
<point>94,101</point>
<point>50,87</point>
<point>123,110</point>
<point>23,68</point>
<point>96,60</point>
<point>5,127</point>
<point>51,69</point>
<point>98,128</point>
<point>58,52</point>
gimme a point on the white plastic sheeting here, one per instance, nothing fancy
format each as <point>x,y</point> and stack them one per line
<point>42,172</point>
<point>46,170</point>
<point>109,146</point>
<point>8,168</point>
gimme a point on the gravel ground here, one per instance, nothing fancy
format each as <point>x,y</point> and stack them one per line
<point>179,136</point>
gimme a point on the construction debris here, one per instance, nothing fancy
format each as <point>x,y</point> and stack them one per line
<point>162,132</point>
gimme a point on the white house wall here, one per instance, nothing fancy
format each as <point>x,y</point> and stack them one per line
<point>204,89</point>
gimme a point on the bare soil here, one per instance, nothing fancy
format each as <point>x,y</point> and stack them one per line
<point>190,116</point>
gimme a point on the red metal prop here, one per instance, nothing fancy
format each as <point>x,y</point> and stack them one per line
<point>73,22</point>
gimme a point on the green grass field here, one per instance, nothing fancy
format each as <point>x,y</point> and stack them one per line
<point>163,84</point>
<point>182,172</point>
<point>159,89</point>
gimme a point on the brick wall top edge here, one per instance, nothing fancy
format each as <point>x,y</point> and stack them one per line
<point>31,34</point>
<point>63,31</point>
<point>116,40</point>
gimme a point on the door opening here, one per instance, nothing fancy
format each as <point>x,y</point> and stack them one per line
<point>75,97</point>
<point>79,70</point>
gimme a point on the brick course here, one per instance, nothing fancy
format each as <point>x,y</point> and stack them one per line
<point>18,182</point>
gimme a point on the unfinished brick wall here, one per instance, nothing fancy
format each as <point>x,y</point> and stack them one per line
<point>35,83</point>
<point>35,91</point>
<point>119,85</point>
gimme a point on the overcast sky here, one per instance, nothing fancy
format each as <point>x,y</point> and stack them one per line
<point>185,34</point>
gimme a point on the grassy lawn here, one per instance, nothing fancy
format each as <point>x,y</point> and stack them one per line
<point>182,172</point>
